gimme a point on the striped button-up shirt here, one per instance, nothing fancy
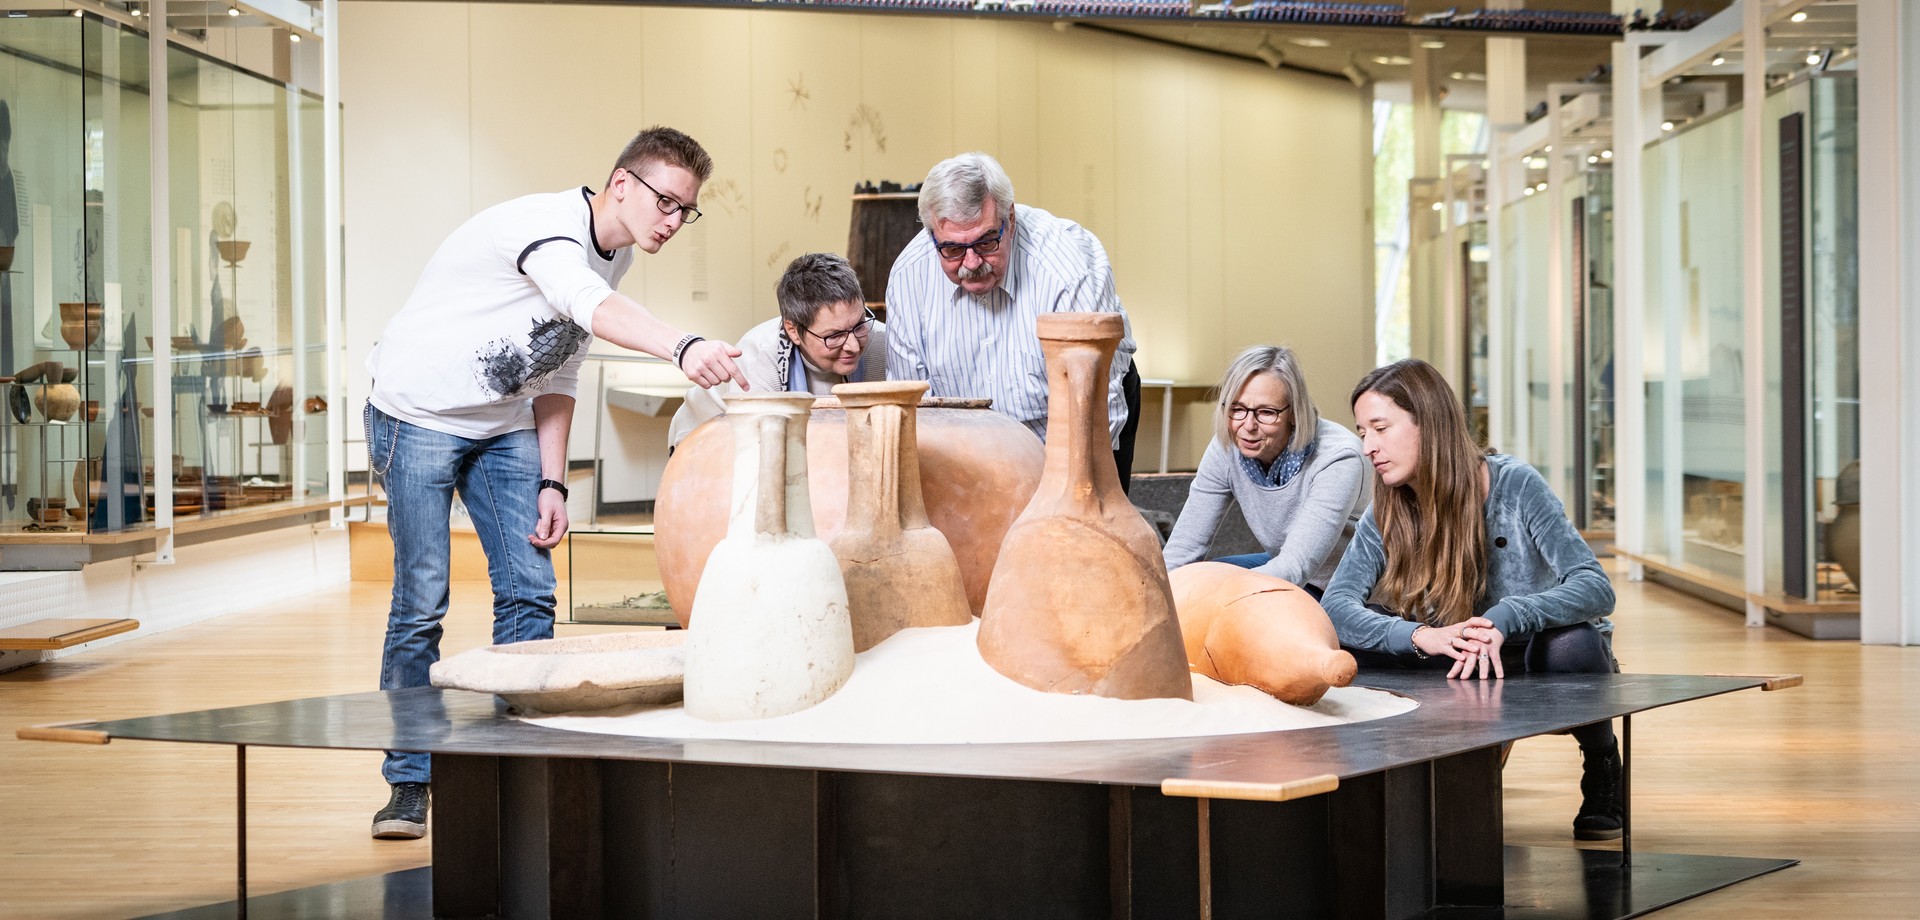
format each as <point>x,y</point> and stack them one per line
<point>965,345</point>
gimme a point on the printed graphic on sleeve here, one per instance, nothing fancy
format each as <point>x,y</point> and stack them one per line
<point>505,370</point>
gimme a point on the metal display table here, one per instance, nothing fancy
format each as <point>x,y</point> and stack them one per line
<point>1391,818</point>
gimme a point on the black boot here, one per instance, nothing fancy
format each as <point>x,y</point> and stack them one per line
<point>1602,805</point>
<point>405,817</point>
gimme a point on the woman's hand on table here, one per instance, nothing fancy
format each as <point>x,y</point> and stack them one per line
<point>1477,648</point>
<point>1472,644</point>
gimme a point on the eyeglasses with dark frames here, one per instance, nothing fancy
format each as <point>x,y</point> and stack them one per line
<point>834,340</point>
<point>1267,416</point>
<point>666,203</point>
<point>986,245</point>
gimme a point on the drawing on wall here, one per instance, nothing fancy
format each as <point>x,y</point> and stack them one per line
<point>728,195</point>
<point>810,202</point>
<point>779,252</point>
<point>780,160</point>
<point>797,94</point>
<point>866,121</point>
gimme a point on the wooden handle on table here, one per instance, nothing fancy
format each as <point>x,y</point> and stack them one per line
<point>1772,681</point>
<point>64,731</point>
<point>1251,792</point>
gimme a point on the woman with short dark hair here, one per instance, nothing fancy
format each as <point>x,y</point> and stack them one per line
<point>824,335</point>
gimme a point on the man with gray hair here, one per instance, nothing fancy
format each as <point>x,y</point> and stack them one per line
<point>824,335</point>
<point>963,297</point>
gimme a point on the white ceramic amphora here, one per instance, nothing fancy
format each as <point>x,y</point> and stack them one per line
<point>770,632</point>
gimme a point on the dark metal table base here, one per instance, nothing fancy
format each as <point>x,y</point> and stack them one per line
<point>1543,883</point>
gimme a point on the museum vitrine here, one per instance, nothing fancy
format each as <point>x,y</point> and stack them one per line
<point>1696,349</point>
<point>78,325</point>
<point>1592,238</point>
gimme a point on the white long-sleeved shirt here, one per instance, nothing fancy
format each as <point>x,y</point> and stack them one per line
<point>502,313</point>
<point>967,345</point>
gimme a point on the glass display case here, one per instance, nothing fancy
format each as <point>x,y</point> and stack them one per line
<point>1527,241</point>
<point>1697,356</point>
<point>1833,333</point>
<point>1694,348</point>
<point>247,316</point>
<point>77,320</point>
<point>1473,298</point>
<point>1593,460</point>
<point>75,297</point>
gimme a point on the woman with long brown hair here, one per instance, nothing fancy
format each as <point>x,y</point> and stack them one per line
<point>1467,561</point>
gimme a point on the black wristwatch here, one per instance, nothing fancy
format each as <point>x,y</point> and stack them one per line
<point>555,485</point>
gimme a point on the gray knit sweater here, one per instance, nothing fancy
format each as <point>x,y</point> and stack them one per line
<point>1540,572</point>
<point>1305,524</point>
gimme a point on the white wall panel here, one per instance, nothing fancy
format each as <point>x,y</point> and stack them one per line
<point>1230,196</point>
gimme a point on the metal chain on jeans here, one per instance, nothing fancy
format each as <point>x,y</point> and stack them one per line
<point>393,442</point>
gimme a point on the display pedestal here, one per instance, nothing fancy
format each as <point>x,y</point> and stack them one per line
<point>530,822</point>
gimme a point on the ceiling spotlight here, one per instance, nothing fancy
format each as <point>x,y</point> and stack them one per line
<point>233,11</point>
<point>1813,59</point>
<point>293,37</point>
<point>1307,42</point>
<point>1432,44</point>
<point>1606,154</point>
<point>1547,149</point>
<point>1540,187</point>
<point>1718,59</point>
<point>1798,17</point>
<point>1593,159</point>
<point>1437,205</point>
<point>1267,53</point>
<point>133,11</point>
<point>1666,126</point>
<point>1528,190</point>
<point>79,13</point>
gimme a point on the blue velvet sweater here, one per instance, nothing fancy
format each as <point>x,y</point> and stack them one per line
<point>1540,572</point>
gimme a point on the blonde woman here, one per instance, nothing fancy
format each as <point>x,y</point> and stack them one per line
<point>1297,477</point>
<point>1467,561</point>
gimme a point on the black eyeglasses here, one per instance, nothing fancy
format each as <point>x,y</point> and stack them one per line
<point>837,339</point>
<point>667,204</point>
<point>986,245</point>
<point>1267,416</point>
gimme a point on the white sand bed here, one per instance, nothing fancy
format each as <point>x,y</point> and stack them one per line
<point>930,686</point>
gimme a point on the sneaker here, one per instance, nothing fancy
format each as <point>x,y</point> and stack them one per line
<point>405,817</point>
<point>1602,807</point>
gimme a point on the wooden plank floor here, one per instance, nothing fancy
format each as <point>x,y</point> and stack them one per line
<point>1826,773</point>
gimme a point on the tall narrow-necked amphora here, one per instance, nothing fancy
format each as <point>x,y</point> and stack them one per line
<point>900,571</point>
<point>1079,601</point>
<point>770,633</point>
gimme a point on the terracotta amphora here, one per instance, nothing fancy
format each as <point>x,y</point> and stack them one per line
<point>1242,627</point>
<point>1079,601</point>
<point>978,468</point>
<point>770,633</point>
<point>900,571</point>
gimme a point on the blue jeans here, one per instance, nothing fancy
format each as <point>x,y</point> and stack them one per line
<point>498,478</point>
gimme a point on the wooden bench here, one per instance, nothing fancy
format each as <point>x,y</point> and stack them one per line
<point>47,635</point>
